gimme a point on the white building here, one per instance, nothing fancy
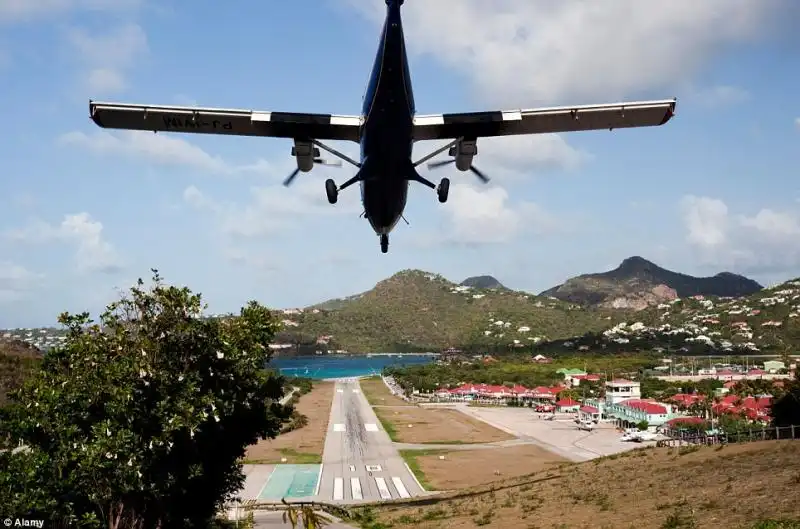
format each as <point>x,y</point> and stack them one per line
<point>619,389</point>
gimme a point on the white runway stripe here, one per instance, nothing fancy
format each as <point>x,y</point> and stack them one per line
<point>355,486</point>
<point>352,468</point>
<point>401,489</point>
<point>371,427</point>
<point>338,427</point>
<point>338,489</point>
<point>383,490</point>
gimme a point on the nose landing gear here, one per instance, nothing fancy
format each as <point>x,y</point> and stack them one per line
<point>384,243</point>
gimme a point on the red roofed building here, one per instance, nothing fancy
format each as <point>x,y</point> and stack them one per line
<point>630,412</point>
<point>589,413</point>
<point>567,406</point>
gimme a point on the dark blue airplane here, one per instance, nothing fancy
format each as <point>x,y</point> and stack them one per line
<point>387,129</point>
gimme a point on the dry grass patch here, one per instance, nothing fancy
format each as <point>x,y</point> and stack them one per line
<point>436,425</point>
<point>734,486</point>
<point>378,394</point>
<point>470,468</point>
<point>304,445</point>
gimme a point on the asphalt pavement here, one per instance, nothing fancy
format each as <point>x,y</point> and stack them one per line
<point>359,462</point>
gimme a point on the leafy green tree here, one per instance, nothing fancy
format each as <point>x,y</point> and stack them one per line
<point>141,419</point>
<point>642,425</point>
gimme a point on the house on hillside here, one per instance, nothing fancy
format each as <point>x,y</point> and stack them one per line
<point>773,366</point>
<point>541,359</point>
<point>575,380</point>
<point>567,373</point>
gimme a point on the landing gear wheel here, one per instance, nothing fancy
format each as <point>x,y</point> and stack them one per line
<point>443,190</point>
<point>384,243</point>
<point>331,190</point>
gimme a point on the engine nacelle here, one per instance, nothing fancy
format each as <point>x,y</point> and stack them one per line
<point>464,151</point>
<point>305,152</point>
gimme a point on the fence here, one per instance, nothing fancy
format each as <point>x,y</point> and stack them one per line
<point>736,436</point>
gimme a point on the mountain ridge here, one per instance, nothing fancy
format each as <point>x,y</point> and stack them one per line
<point>638,283</point>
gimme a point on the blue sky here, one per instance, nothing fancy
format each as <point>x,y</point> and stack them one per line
<point>85,211</point>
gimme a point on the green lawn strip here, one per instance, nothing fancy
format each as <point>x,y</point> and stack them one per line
<point>293,457</point>
<point>410,457</point>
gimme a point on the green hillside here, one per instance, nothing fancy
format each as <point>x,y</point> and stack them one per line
<point>416,310</point>
<point>425,311</point>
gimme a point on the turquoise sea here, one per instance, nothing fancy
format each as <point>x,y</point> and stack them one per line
<point>329,366</point>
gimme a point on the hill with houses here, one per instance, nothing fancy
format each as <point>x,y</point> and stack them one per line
<point>415,310</point>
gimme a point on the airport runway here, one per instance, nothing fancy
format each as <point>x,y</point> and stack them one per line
<point>359,462</point>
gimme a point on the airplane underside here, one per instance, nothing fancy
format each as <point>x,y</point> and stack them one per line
<point>386,128</point>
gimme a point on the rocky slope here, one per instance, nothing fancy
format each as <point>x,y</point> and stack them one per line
<point>482,282</point>
<point>638,283</point>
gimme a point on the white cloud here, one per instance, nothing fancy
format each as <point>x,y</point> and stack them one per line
<point>721,95</point>
<point>486,215</point>
<point>161,149</point>
<point>767,242</point>
<point>515,157</point>
<point>92,252</point>
<point>523,52</point>
<point>15,281</point>
<point>272,209</point>
<point>27,10</point>
<point>797,122</point>
<point>108,57</point>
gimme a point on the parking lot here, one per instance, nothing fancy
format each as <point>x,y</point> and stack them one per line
<point>561,436</point>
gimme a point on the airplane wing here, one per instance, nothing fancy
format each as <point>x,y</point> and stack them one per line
<point>543,120</point>
<point>224,121</point>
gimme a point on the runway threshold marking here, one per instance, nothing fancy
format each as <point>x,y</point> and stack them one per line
<point>374,468</point>
<point>371,427</point>
<point>338,489</point>
<point>340,390</point>
<point>355,391</point>
<point>352,468</point>
<point>401,489</point>
<point>338,427</point>
<point>383,490</point>
<point>355,487</point>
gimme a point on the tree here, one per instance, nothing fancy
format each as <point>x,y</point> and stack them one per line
<point>786,409</point>
<point>642,425</point>
<point>141,420</point>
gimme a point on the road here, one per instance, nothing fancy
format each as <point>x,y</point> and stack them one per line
<point>359,462</point>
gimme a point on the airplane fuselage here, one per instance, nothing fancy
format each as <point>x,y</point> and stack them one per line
<point>387,131</point>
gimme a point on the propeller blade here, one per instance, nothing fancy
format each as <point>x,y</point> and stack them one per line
<point>334,163</point>
<point>291,177</point>
<point>441,163</point>
<point>479,174</point>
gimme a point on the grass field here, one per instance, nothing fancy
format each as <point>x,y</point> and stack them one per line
<point>304,445</point>
<point>414,424</point>
<point>462,469</point>
<point>378,394</point>
<point>736,486</point>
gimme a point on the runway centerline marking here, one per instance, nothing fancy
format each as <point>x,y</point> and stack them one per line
<point>338,489</point>
<point>355,486</point>
<point>383,490</point>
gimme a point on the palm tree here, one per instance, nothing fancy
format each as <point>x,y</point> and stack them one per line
<point>305,513</point>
